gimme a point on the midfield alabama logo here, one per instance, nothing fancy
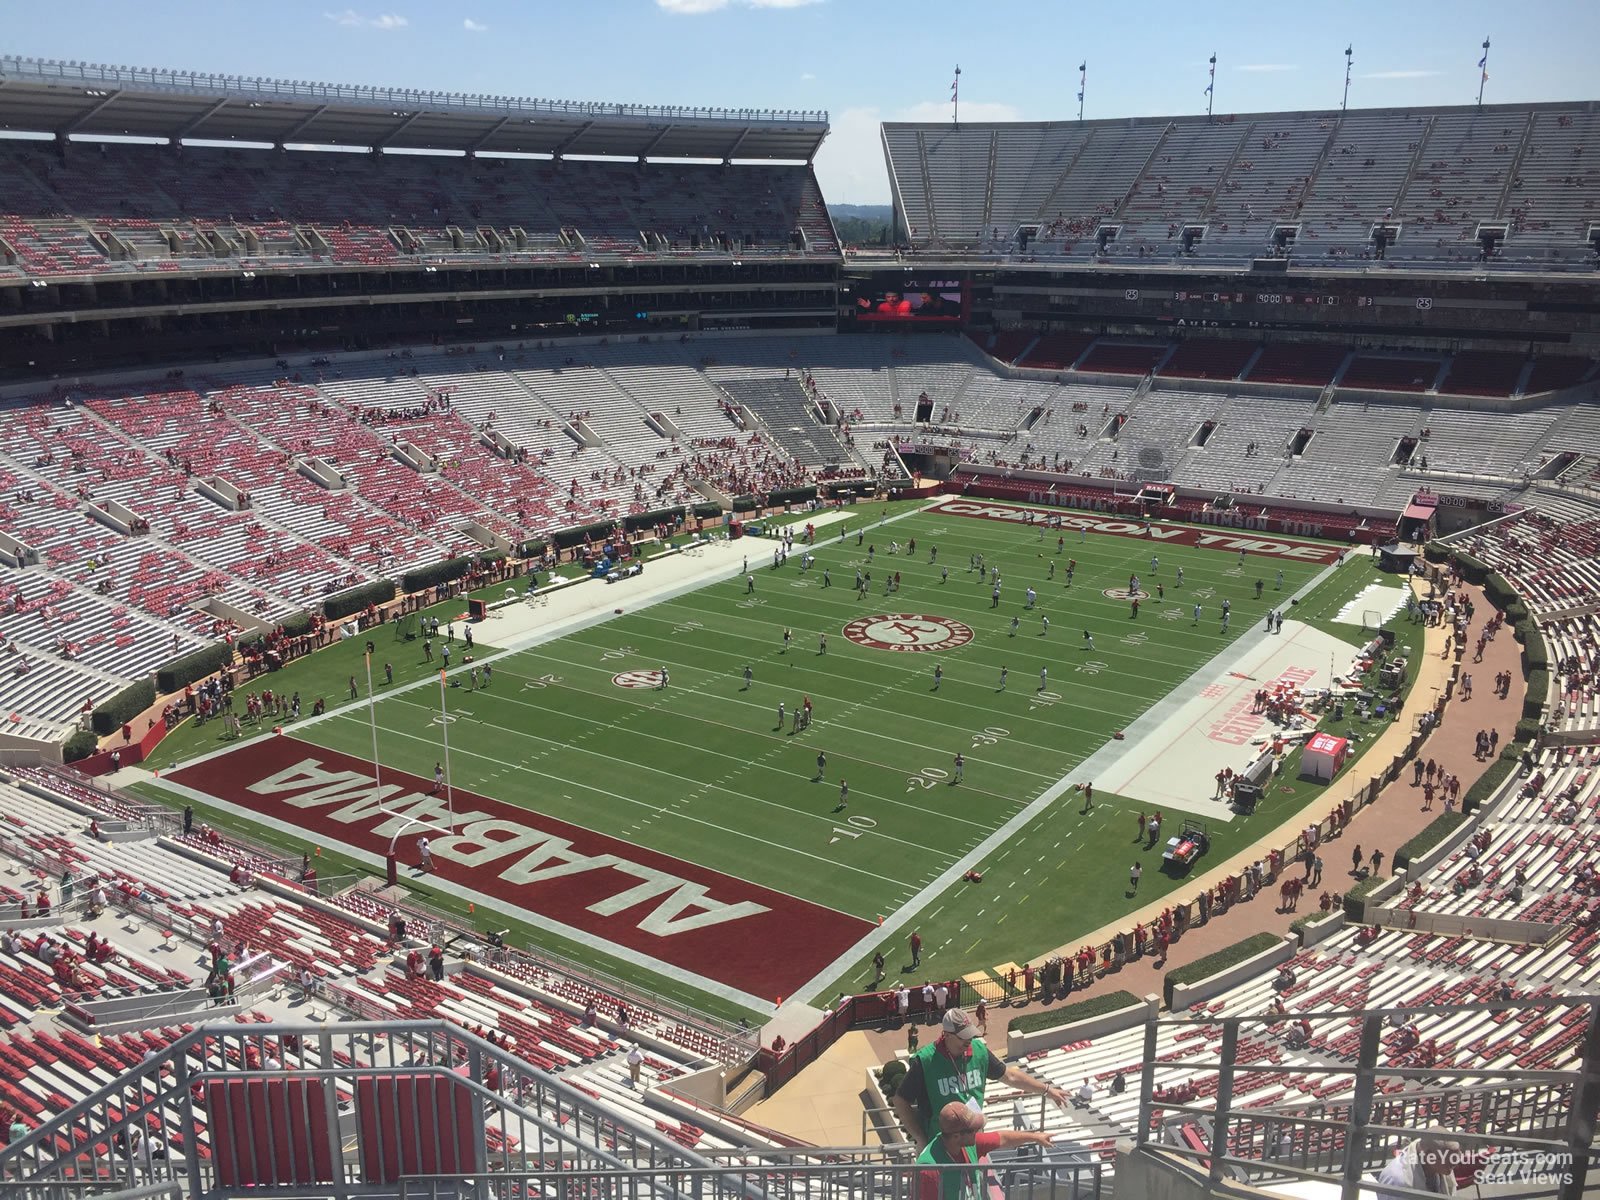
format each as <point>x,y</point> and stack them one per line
<point>908,631</point>
<point>566,878</point>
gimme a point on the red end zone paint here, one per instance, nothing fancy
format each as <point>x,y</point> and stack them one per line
<point>1177,535</point>
<point>736,933</point>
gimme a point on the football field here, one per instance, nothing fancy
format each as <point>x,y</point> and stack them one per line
<point>690,827</point>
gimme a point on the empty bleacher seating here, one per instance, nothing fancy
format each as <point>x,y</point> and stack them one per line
<point>1432,180</point>
<point>209,208</point>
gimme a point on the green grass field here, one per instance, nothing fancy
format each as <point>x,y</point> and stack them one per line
<point>702,770</point>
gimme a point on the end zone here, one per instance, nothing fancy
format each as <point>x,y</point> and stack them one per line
<point>1207,723</point>
<point>722,934</point>
<point>1202,537</point>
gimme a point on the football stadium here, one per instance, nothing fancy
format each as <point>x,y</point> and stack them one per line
<point>530,665</point>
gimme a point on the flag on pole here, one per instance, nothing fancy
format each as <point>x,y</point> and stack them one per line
<point>955,84</point>
<point>1484,61</point>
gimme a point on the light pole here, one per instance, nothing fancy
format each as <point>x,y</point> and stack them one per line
<point>1348,51</point>
<point>1211,86</point>
<point>1083,82</point>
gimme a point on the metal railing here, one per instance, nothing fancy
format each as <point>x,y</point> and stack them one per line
<point>212,1106</point>
<point>1019,1179</point>
<point>253,87</point>
<point>81,1189</point>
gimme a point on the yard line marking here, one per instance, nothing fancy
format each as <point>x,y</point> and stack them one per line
<point>744,765</point>
<point>916,686</point>
<point>589,787</point>
<point>820,723</point>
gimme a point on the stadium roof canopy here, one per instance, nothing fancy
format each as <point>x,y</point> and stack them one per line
<point>70,98</point>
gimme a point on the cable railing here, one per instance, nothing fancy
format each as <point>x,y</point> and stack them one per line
<point>260,88</point>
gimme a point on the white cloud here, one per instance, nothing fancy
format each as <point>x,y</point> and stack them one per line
<point>1264,68</point>
<point>472,26</point>
<point>693,8</point>
<point>807,75</point>
<point>351,19</point>
<point>850,165</point>
<point>1399,74</point>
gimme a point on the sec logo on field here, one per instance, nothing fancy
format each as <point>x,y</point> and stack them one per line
<point>637,679</point>
<point>908,631</point>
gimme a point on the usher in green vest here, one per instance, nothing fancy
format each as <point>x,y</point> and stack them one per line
<point>947,1081</point>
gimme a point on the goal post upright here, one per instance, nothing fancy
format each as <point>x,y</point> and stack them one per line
<point>409,820</point>
<point>372,719</point>
<point>444,735</point>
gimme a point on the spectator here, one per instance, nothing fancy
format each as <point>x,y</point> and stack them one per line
<point>958,1064</point>
<point>961,1139</point>
<point>1424,1165</point>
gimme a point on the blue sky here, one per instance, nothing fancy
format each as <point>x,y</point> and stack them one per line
<point>865,61</point>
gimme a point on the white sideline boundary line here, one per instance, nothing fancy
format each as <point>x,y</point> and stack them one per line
<point>1147,725</point>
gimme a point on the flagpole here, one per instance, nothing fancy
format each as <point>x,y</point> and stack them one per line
<point>372,718</point>
<point>1483,71</point>
<point>1211,86</point>
<point>955,97</point>
<point>1083,86</point>
<point>1348,51</point>
<point>444,733</point>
